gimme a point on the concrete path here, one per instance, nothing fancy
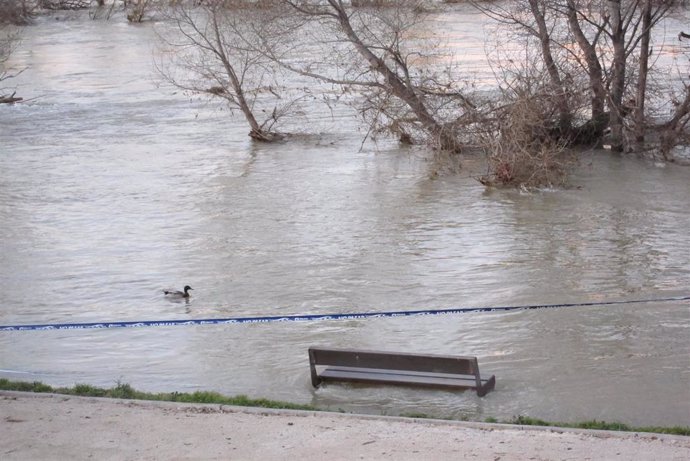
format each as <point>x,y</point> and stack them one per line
<point>56,427</point>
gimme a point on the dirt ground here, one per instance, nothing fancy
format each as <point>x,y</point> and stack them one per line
<point>48,426</point>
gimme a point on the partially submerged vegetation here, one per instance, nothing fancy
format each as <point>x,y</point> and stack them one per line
<point>125,391</point>
<point>8,41</point>
<point>12,14</point>
<point>569,73</point>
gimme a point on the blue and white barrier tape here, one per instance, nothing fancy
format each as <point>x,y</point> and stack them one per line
<point>316,317</point>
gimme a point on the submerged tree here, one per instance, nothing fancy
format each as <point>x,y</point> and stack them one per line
<point>212,51</point>
<point>570,71</point>
<point>675,132</point>
<point>523,125</point>
<point>383,53</point>
<point>604,44</point>
<point>8,43</point>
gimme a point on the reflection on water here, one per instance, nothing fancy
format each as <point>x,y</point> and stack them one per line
<point>113,187</point>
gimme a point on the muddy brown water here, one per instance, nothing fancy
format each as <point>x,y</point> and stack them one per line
<point>114,186</point>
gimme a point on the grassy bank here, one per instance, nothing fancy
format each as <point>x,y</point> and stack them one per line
<point>598,425</point>
<point>125,391</point>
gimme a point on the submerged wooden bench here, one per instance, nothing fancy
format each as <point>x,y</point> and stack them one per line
<point>440,371</point>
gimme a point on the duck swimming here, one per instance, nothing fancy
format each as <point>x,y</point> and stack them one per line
<point>179,294</point>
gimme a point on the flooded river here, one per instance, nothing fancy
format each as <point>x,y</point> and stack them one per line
<point>114,186</point>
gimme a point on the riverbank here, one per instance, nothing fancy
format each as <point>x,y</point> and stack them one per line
<point>51,426</point>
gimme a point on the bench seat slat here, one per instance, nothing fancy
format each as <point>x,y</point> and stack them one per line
<point>396,377</point>
<point>388,371</point>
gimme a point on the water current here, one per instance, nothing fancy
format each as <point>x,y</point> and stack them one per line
<point>114,186</point>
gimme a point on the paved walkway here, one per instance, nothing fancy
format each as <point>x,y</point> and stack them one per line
<point>47,427</point>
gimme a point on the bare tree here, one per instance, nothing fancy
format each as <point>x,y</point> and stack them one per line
<point>379,51</point>
<point>212,51</point>
<point>595,51</point>
<point>137,9</point>
<point>8,43</point>
<point>12,13</point>
<point>675,131</point>
<point>611,41</point>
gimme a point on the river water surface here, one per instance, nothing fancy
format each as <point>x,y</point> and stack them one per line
<point>114,186</point>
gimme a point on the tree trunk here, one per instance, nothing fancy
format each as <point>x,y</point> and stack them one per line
<point>445,137</point>
<point>551,67</point>
<point>642,78</point>
<point>256,131</point>
<point>617,75</point>
<point>11,99</point>
<point>594,69</point>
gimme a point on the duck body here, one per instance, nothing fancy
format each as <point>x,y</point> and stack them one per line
<point>178,294</point>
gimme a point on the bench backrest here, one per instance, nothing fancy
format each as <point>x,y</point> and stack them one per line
<point>393,361</point>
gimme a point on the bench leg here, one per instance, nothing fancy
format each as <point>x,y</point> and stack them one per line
<point>490,384</point>
<point>315,380</point>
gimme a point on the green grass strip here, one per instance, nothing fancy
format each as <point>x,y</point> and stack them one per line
<point>125,391</point>
<point>597,425</point>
